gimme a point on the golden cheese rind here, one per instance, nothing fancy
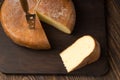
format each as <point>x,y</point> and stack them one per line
<point>13,19</point>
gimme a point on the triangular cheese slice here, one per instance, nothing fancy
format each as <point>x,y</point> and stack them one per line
<point>15,25</point>
<point>58,13</point>
<point>84,51</point>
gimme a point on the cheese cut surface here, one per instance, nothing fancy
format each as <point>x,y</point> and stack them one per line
<point>58,13</point>
<point>15,25</point>
<point>84,51</point>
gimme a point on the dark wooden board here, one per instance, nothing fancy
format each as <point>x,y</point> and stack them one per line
<point>90,20</point>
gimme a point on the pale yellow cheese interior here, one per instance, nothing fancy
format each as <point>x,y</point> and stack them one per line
<point>74,55</point>
<point>54,23</point>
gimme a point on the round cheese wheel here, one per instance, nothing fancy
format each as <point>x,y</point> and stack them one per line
<point>58,13</point>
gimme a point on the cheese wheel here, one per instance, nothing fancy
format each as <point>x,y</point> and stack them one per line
<point>84,51</point>
<point>58,13</point>
<point>15,25</point>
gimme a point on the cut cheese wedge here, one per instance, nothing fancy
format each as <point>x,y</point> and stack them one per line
<point>84,51</point>
<point>58,13</point>
<point>16,27</point>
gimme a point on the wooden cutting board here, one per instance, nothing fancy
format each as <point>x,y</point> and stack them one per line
<point>90,20</point>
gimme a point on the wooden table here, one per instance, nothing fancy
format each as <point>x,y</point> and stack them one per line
<point>113,28</point>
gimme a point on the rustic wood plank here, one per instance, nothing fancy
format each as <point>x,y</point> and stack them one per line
<point>114,37</point>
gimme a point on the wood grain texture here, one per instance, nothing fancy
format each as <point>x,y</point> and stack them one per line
<point>113,21</point>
